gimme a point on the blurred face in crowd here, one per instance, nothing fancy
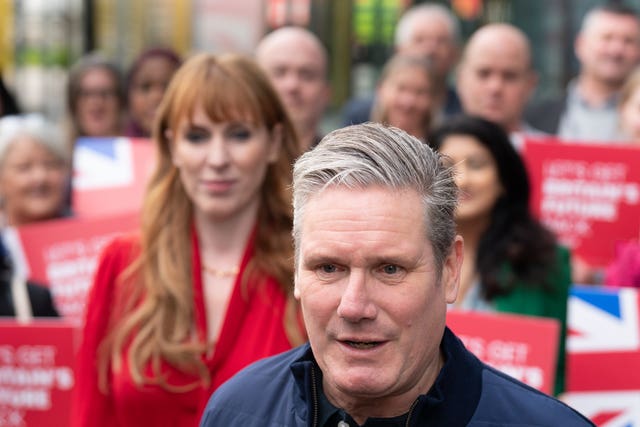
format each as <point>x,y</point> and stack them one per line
<point>431,36</point>
<point>373,303</point>
<point>297,66</point>
<point>405,98</point>
<point>98,107</point>
<point>495,78</point>
<point>630,115</point>
<point>608,47</point>
<point>476,176</point>
<point>146,89</point>
<point>223,165</point>
<point>33,182</point>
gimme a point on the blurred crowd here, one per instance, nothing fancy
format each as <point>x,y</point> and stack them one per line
<point>204,287</point>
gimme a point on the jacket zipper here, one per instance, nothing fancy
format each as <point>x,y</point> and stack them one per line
<point>314,391</point>
<point>413,405</point>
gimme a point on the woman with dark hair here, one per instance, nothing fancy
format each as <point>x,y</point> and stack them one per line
<point>512,262</point>
<point>147,80</point>
<point>206,286</point>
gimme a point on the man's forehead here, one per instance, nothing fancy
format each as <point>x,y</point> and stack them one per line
<point>303,61</point>
<point>510,52</point>
<point>336,202</point>
<point>606,22</point>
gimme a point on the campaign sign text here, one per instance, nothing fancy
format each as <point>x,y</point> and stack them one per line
<point>589,195</point>
<point>64,254</point>
<point>36,373</point>
<point>524,347</point>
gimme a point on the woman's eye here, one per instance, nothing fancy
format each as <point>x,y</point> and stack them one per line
<point>144,87</point>
<point>196,136</point>
<point>241,134</point>
<point>474,163</point>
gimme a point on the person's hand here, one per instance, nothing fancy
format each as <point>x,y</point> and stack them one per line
<point>583,273</point>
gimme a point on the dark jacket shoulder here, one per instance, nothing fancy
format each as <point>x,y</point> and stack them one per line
<point>507,402</point>
<point>545,114</point>
<point>41,301</point>
<point>261,394</point>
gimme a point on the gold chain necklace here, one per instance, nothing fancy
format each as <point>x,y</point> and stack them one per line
<point>232,272</point>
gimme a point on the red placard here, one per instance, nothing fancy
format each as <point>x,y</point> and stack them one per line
<point>524,347</point>
<point>63,254</point>
<point>36,373</point>
<point>110,175</point>
<point>589,195</point>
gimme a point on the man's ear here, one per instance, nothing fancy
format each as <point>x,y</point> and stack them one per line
<point>327,93</point>
<point>451,270</point>
<point>296,289</point>
<point>532,83</point>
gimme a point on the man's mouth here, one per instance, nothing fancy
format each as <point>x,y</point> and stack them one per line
<point>362,345</point>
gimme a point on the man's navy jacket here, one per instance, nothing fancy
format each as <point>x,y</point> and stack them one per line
<point>279,391</point>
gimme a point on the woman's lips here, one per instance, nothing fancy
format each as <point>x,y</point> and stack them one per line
<point>218,185</point>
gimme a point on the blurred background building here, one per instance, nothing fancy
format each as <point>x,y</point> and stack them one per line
<point>40,39</point>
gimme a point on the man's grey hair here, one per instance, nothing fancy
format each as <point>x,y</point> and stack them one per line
<point>408,20</point>
<point>614,8</point>
<point>372,154</point>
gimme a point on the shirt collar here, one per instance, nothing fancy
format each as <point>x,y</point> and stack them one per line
<point>574,95</point>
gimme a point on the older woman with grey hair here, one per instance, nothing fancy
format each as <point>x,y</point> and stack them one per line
<point>34,170</point>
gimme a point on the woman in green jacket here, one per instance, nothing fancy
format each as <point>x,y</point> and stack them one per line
<point>512,262</point>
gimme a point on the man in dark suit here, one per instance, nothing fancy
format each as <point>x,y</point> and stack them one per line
<point>19,298</point>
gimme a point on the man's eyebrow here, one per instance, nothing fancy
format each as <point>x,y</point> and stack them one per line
<point>318,256</point>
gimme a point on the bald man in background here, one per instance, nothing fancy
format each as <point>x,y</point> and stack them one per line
<point>496,77</point>
<point>297,62</point>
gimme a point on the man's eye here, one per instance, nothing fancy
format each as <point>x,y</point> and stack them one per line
<point>483,74</point>
<point>308,75</point>
<point>279,72</point>
<point>390,269</point>
<point>328,268</point>
<point>21,167</point>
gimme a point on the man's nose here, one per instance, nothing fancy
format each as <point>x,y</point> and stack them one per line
<point>356,303</point>
<point>290,81</point>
